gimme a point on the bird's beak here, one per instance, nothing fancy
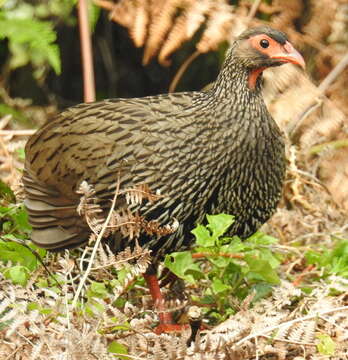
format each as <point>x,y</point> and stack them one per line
<point>291,55</point>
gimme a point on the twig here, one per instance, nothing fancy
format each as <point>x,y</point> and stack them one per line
<point>17,132</point>
<point>322,88</point>
<point>104,4</point>
<point>205,255</point>
<point>14,352</point>
<point>331,77</point>
<point>96,245</point>
<point>272,338</point>
<point>298,280</point>
<point>268,329</point>
<point>253,11</point>
<point>337,144</point>
<point>182,69</point>
<point>86,52</point>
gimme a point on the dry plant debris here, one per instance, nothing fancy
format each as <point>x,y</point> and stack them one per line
<point>163,26</point>
<point>273,327</point>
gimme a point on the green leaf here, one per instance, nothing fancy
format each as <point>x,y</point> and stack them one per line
<point>313,257</point>
<point>334,261</point>
<point>267,255</point>
<point>117,348</point>
<point>203,237</point>
<point>182,265</point>
<point>219,287</point>
<point>122,327</point>
<point>98,289</point>
<point>35,42</point>
<point>18,254</point>
<point>260,238</point>
<point>262,290</point>
<point>21,154</point>
<point>6,193</point>
<point>93,14</point>
<point>261,270</point>
<point>218,224</point>
<point>17,115</point>
<point>20,216</point>
<point>17,274</point>
<point>236,245</point>
<point>326,345</point>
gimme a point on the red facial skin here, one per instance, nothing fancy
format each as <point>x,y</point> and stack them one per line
<point>284,53</point>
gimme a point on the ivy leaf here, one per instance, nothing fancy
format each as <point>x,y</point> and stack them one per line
<point>218,224</point>
<point>98,289</point>
<point>261,270</point>
<point>6,193</point>
<point>117,348</point>
<point>326,345</point>
<point>182,265</point>
<point>17,274</point>
<point>203,237</point>
<point>219,287</point>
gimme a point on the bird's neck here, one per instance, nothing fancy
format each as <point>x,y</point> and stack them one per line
<point>235,79</point>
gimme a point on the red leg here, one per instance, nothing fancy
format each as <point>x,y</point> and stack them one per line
<point>166,321</point>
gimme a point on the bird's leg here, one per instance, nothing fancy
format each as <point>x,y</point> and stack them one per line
<point>158,299</point>
<point>165,318</point>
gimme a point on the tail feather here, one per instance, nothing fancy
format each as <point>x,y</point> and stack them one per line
<point>55,221</point>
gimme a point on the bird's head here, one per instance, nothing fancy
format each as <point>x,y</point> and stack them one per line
<point>262,47</point>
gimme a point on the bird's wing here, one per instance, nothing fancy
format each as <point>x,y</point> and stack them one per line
<point>93,142</point>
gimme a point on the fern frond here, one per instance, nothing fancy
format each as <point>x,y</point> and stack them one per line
<point>176,37</point>
<point>39,36</point>
<point>218,27</point>
<point>138,30</point>
<point>141,192</point>
<point>160,26</point>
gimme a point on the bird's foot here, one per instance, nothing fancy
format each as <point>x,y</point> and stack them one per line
<point>170,328</point>
<point>166,324</point>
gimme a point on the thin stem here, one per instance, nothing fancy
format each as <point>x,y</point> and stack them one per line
<point>205,255</point>
<point>323,87</point>
<point>268,329</point>
<point>86,52</point>
<point>96,245</point>
<point>334,73</point>
<point>182,69</point>
<point>17,132</point>
<point>253,11</point>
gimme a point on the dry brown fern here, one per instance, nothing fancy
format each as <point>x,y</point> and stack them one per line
<point>162,26</point>
<point>311,120</point>
<point>123,220</point>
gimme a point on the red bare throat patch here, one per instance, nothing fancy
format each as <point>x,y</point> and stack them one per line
<point>253,76</point>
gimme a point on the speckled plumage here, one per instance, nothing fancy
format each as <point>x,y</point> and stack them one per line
<point>205,152</point>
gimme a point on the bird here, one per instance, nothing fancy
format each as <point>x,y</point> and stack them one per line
<point>202,152</point>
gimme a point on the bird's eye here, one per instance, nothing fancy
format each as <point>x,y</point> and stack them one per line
<point>264,43</point>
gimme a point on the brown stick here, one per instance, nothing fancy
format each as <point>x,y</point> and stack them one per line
<point>323,87</point>
<point>253,11</point>
<point>86,52</point>
<point>205,255</point>
<point>181,70</point>
<point>17,132</point>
